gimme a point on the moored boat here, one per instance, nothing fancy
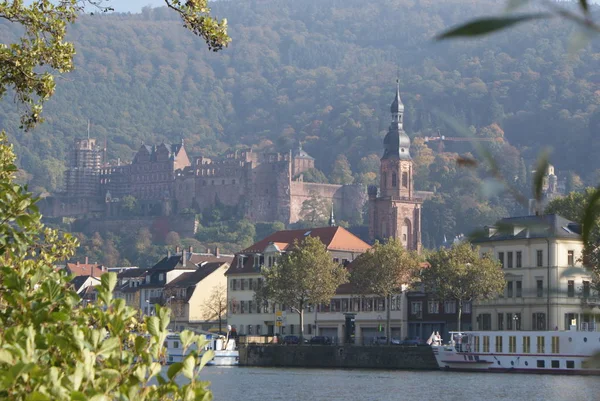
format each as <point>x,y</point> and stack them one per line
<point>224,348</point>
<point>561,352</point>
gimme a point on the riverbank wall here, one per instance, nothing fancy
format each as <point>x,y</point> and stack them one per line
<point>330,356</point>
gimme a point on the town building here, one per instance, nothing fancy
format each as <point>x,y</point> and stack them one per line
<point>367,314</point>
<point>395,210</point>
<point>546,284</point>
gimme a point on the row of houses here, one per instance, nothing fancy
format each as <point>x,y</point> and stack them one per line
<point>546,287</point>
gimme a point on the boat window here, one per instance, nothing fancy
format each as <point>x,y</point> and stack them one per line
<point>541,364</point>
<point>540,345</point>
<point>499,344</point>
<point>570,364</point>
<point>175,344</point>
<point>526,344</point>
<point>556,364</point>
<point>555,345</point>
<point>512,344</point>
<point>486,343</point>
<point>476,344</point>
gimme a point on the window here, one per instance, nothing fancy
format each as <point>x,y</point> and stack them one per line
<point>541,349</point>
<point>571,288</point>
<point>240,262</point>
<point>291,329</point>
<point>466,307</point>
<point>433,307</point>
<point>501,258</point>
<point>570,364</point>
<point>555,345</point>
<point>258,326</point>
<point>571,258</point>
<point>147,279</point>
<point>556,364</point>
<point>161,277</point>
<point>512,344</point>
<point>539,321</point>
<point>509,289</point>
<point>486,343</point>
<point>517,319</point>
<point>526,344</point>
<point>450,307</point>
<point>175,344</point>
<point>416,309</point>
<point>485,321</point>
<point>242,306</point>
<point>540,288</point>
<point>384,179</point>
<point>586,289</point>
<point>251,284</point>
<point>498,344</point>
<point>509,321</point>
<point>500,321</point>
<point>250,329</point>
<point>519,289</point>
<point>250,307</point>
<point>243,284</point>
<point>509,260</point>
<point>541,364</point>
<point>540,258</point>
<point>234,284</point>
<point>405,180</point>
<point>519,259</point>
<point>476,344</point>
<point>394,180</point>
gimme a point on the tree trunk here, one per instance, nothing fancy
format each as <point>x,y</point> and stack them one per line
<point>388,318</point>
<point>301,313</point>
<point>460,305</point>
<point>220,320</point>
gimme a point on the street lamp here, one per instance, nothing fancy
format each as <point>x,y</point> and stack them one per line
<point>516,321</point>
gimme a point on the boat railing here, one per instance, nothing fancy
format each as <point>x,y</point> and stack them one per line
<point>585,326</point>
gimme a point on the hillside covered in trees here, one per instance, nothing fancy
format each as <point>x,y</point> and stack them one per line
<point>323,72</point>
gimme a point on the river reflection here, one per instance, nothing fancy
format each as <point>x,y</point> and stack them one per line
<point>272,384</point>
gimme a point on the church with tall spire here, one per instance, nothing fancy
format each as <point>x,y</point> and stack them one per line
<point>394,211</point>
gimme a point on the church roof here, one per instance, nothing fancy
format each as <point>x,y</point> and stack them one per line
<point>528,227</point>
<point>396,143</point>
<point>300,153</point>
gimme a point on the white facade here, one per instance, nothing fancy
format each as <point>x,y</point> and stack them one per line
<point>545,281</point>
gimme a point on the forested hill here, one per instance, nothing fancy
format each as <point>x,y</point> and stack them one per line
<point>322,72</point>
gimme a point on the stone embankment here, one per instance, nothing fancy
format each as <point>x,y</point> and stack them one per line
<point>331,356</point>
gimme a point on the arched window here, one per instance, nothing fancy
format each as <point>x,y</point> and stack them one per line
<point>405,179</point>
<point>384,179</point>
<point>394,180</point>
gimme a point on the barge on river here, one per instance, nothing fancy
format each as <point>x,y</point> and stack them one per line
<point>560,352</point>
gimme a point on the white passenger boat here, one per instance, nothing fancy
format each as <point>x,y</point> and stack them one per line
<point>224,349</point>
<point>562,352</point>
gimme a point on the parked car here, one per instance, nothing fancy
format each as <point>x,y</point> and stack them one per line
<point>320,340</point>
<point>291,340</point>
<point>413,342</point>
<point>382,340</point>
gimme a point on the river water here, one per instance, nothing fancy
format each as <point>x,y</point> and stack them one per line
<point>273,384</point>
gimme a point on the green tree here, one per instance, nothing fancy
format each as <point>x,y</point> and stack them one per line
<point>313,175</point>
<point>27,66</point>
<point>130,205</point>
<point>384,270</point>
<point>54,348</point>
<point>342,173</point>
<point>172,239</point>
<point>461,274</point>
<point>306,275</point>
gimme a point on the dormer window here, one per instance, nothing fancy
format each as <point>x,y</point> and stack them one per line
<point>161,277</point>
<point>147,279</point>
<point>256,261</point>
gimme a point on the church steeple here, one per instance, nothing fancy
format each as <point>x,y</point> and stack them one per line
<point>331,218</point>
<point>396,143</point>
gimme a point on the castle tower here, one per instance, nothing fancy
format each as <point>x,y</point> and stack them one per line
<point>395,212</point>
<point>82,174</point>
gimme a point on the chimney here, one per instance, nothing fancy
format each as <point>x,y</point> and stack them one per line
<point>208,251</point>
<point>191,249</point>
<point>177,249</point>
<point>77,263</point>
<point>217,254</point>
<point>169,253</point>
<point>86,260</point>
<point>183,257</point>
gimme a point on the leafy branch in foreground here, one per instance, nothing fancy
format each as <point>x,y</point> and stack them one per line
<point>482,26</point>
<point>54,348</point>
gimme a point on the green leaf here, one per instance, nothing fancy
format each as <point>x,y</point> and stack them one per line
<point>153,324</point>
<point>540,173</point>
<point>186,337</point>
<point>174,369</point>
<point>110,374</point>
<point>109,281</point>
<point>6,357</point>
<point>109,346</point>
<point>189,363</point>
<point>484,26</point>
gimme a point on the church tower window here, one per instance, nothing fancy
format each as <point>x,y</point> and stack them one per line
<point>405,179</point>
<point>394,180</point>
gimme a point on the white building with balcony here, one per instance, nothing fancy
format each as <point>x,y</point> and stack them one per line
<point>545,280</point>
